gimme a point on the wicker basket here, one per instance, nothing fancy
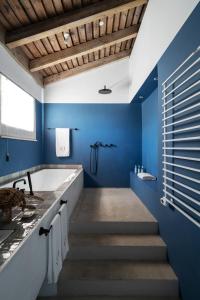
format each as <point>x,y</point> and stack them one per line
<point>9,198</point>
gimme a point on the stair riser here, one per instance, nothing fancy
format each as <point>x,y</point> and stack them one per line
<point>119,288</point>
<point>115,228</point>
<point>114,252</point>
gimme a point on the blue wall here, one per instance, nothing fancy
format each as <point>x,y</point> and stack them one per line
<point>182,237</point>
<point>23,154</point>
<point>150,133</point>
<point>116,124</point>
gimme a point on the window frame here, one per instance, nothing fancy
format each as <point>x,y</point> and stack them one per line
<point>13,132</point>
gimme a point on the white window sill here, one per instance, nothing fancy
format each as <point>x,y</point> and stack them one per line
<point>18,138</point>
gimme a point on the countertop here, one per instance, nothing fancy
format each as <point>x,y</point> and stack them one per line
<point>22,228</point>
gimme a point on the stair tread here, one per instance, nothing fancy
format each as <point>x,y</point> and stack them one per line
<point>110,205</point>
<point>116,270</point>
<point>87,240</point>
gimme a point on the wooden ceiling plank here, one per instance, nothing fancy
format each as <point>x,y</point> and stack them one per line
<point>54,70</point>
<point>82,49</point>
<point>75,41</point>
<point>67,4</point>
<point>70,65</point>
<point>27,52</point>
<point>130,17</point>
<point>128,44</point>
<point>115,28</point>
<point>19,12</point>
<point>85,2</point>
<point>122,25</point>
<point>9,15</point>
<point>96,34</point>
<point>86,67</point>
<point>102,33</point>
<point>137,14</point>
<point>26,4</point>
<point>39,10</point>
<point>58,6</point>
<point>4,22</point>
<point>82,39</point>
<point>77,3</point>
<point>67,21</point>
<point>49,8</point>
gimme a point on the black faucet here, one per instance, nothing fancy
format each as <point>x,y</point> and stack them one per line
<point>19,180</point>
<point>30,183</point>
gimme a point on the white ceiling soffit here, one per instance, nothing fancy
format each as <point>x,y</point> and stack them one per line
<point>161,22</point>
<point>10,68</point>
<point>83,88</point>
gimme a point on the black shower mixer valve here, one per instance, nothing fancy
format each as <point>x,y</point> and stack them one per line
<point>99,144</point>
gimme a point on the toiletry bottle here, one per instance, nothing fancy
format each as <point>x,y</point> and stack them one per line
<point>142,169</point>
<point>135,169</point>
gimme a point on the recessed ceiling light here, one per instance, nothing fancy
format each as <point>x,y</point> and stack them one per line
<point>101,23</point>
<point>155,78</point>
<point>66,36</point>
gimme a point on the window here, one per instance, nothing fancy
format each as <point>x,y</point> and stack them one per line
<point>17,111</point>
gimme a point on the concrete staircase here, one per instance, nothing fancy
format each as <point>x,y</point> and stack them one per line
<point>115,251</point>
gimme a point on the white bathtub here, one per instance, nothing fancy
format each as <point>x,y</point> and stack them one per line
<point>46,179</point>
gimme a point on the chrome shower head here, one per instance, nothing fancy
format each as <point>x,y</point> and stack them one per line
<point>105,91</point>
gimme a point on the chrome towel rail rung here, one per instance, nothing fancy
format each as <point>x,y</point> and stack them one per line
<point>184,204</point>
<point>182,120</point>
<point>193,138</point>
<point>179,103</point>
<point>181,167</point>
<point>182,92</point>
<point>182,157</point>
<point>183,73</point>
<point>183,212</point>
<point>181,175</point>
<point>179,85</point>
<point>182,64</point>
<point>182,111</point>
<point>182,130</point>
<point>183,185</point>
<point>183,194</point>
<point>183,148</point>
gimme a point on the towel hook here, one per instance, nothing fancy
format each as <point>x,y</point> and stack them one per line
<point>63,202</point>
<point>44,231</point>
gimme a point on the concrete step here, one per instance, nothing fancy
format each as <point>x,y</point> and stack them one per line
<point>115,227</point>
<point>106,298</point>
<point>117,278</point>
<point>117,246</point>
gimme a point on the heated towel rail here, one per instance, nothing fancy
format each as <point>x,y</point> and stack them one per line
<point>181,138</point>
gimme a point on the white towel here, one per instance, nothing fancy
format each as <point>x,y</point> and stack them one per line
<point>55,254</point>
<point>62,142</point>
<point>146,176</point>
<point>64,230</point>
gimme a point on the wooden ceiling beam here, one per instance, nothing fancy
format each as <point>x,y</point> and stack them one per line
<point>86,67</point>
<point>83,49</point>
<point>69,20</point>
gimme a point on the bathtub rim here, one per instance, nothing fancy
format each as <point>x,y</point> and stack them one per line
<point>5,179</point>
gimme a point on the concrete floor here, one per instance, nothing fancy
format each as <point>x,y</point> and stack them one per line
<point>110,205</point>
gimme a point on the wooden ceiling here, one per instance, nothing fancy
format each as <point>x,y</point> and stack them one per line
<point>37,27</point>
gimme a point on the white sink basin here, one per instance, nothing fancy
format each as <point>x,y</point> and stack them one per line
<point>4,234</point>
